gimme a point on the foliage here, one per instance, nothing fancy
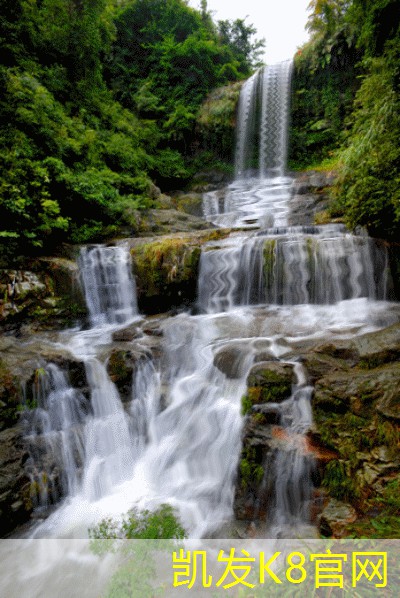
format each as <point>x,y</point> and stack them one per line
<point>346,105</point>
<point>98,99</point>
<point>140,525</point>
<point>237,36</point>
<point>368,189</point>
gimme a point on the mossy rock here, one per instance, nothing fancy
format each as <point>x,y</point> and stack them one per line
<point>121,366</point>
<point>166,270</point>
<point>337,391</point>
<point>268,382</point>
<point>191,203</point>
<point>46,292</point>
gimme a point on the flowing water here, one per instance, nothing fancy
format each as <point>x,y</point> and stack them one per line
<point>178,438</point>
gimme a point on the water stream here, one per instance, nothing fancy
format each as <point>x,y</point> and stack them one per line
<point>178,438</point>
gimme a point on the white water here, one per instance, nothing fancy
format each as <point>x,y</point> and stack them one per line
<point>179,438</point>
<point>108,284</point>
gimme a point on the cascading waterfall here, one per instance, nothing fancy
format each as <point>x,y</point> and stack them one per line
<point>294,268</point>
<point>178,439</point>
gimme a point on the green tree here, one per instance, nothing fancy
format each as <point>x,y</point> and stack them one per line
<point>237,36</point>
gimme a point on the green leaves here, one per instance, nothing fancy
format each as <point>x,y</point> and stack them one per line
<point>368,187</point>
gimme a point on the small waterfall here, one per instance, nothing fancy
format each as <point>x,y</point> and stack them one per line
<point>260,295</point>
<point>109,286</point>
<point>54,437</point>
<point>289,469</point>
<point>108,446</point>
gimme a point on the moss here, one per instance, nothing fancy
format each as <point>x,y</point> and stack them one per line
<point>164,261</point>
<point>352,436</point>
<point>269,386</point>
<point>339,482</point>
<point>166,269</point>
<point>259,418</point>
<point>253,397</point>
<point>269,260</point>
<point>119,368</point>
<point>251,471</point>
<point>383,515</point>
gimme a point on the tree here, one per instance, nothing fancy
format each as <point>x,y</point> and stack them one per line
<point>238,37</point>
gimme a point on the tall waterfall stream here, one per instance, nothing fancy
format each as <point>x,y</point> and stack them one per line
<point>264,290</point>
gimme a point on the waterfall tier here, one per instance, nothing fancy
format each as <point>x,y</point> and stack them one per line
<point>110,289</point>
<point>288,269</point>
<point>262,123</point>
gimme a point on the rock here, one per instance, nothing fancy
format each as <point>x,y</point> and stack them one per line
<point>15,503</point>
<point>47,292</point>
<point>127,334</point>
<point>377,348</point>
<point>121,366</point>
<point>167,221</point>
<point>337,391</point>
<point>335,518</point>
<point>229,361</point>
<point>191,203</point>
<point>319,365</point>
<point>310,198</point>
<point>166,270</point>
<point>273,379</point>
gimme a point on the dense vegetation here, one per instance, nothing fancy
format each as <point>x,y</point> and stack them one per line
<point>346,107</point>
<point>99,100</point>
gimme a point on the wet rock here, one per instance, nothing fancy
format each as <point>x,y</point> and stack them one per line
<point>336,391</point>
<point>166,270</point>
<point>127,334</point>
<point>264,356</point>
<point>273,379</point>
<point>121,366</point>
<point>319,365</point>
<point>336,517</point>
<point>310,198</point>
<point>229,361</point>
<point>15,504</point>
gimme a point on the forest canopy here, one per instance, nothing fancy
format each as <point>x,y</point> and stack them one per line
<point>99,101</point>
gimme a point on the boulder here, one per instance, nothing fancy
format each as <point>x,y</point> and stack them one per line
<point>336,517</point>
<point>229,361</point>
<point>358,390</point>
<point>166,269</point>
<point>273,379</point>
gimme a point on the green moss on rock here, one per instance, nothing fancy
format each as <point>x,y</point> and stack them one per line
<point>166,270</point>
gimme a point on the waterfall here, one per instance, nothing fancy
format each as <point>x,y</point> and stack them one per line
<point>259,195</point>
<point>291,268</point>
<point>109,287</point>
<point>262,122</point>
<point>261,294</point>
